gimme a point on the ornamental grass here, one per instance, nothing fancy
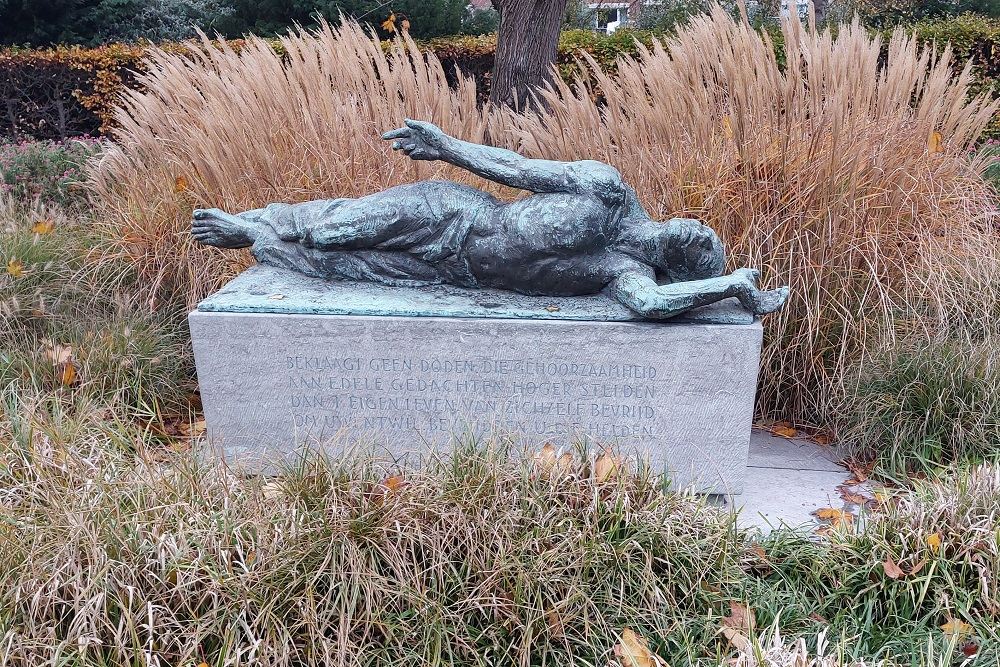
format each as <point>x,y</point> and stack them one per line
<point>842,174</point>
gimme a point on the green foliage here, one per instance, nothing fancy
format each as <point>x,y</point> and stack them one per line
<point>920,406</point>
<point>50,171</point>
<point>68,326</point>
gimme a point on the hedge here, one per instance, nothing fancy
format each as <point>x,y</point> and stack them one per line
<point>71,91</point>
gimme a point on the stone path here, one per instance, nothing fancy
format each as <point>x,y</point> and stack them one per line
<point>788,480</point>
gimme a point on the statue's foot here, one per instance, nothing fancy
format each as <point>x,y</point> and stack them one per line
<point>770,301</point>
<point>753,299</point>
<point>223,230</point>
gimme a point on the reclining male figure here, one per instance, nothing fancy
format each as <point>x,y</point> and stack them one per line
<point>581,232</point>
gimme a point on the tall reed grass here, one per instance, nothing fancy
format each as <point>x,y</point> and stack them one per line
<point>840,172</point>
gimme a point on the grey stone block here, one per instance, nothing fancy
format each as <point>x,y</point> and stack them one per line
<point>680,393</point>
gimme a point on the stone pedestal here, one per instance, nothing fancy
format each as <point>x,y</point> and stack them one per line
<point>278,370</point>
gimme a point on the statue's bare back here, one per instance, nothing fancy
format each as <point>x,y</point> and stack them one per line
<point>583,231</point>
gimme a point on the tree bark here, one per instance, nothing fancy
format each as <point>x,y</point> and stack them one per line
<point>822,8</point>
<point>527,39</point>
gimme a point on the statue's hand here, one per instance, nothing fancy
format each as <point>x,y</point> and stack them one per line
<point>418,139</point>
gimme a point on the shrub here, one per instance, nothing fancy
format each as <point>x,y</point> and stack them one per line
<point>50,171</point>
<point>923,405</point>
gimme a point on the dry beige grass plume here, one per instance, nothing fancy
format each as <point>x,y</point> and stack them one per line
<point>841,174</point>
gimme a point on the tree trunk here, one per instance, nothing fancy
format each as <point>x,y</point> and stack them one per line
<point>526,49</point>
<point>822,8</point>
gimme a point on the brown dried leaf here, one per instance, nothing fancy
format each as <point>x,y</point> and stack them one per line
<point>545,458</point>
<point>737,639</point>
<point>892,570</point>
<point>919,566</point>
<point>740,618</point>
<point>606,466</point>
<point>552,309</point>
<point>180,184</point>
<point>68,375</point>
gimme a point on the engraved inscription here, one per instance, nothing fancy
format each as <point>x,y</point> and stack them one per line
<point>537,397</point>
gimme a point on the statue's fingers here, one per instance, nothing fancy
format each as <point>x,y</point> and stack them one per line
<point>399,133</point>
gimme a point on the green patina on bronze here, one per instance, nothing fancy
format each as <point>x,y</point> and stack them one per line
<point>582,232</point>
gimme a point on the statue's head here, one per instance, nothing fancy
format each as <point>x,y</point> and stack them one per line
<point>685,249</point>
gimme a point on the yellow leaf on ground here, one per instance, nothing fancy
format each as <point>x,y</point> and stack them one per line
<point>15,268</point>
<point>935,143</point>
<point>957,629</point>
<point>68,373</point>
<point>892,570</point>
<point>389,25</point>
<point>43,227</point>
<point>784,430</point>
<point>836,517</point>
<point>633,651</point>
<point>934,541</point>
<point>180,184</point>
<point>394,483</point>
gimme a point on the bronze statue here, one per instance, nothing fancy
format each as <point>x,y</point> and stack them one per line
<point>582,231</point>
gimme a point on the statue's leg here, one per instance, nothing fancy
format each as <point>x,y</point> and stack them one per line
<point>396,219</point>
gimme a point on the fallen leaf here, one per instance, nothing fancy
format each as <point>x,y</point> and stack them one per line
<point>192,429</point>
<point>834,516</point>
<point>389,25</point>
<point>405,25</point>
<point>68,376</point>
<point>605,466</point>
<point>934,541</point>
<point>934,142</point>
<point>892,570</point>
<point>545,458</point>
<point>15,268</point>
<point>180,184</point>
<point>59,354</point>
<point>43,227</point>
<point>819,619</point>
<point>957,629</point>
<point>740,618</point>
<point>565,463</point>
<point>919,566</point>
<point>552,309</point>
<point>394,483</point>
<point>822,438</point>
<point>784,430</point>
<point>759,551</point>
<point>737,639</point>
<point>851,497</point>
<point>633,651</point>
<point>555,623</point>
<point>202,664</point>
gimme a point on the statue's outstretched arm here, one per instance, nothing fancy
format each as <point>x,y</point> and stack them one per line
<point>643,295</point>
<point>426,141</point>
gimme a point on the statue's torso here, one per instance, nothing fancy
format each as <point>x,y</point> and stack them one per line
<point>545,244</point>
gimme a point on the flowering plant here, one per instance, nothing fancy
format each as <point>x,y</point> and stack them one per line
<point>47,170</point>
